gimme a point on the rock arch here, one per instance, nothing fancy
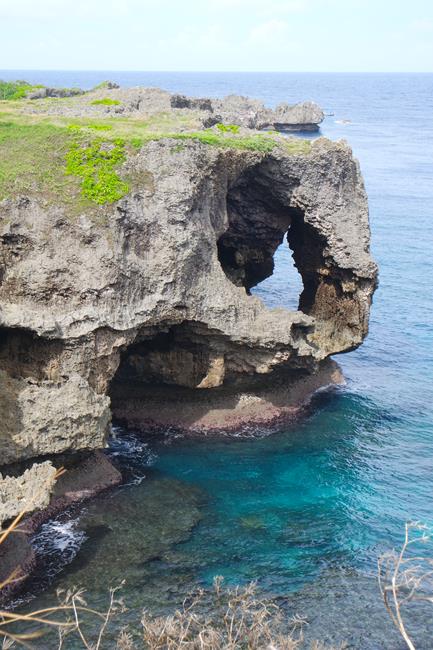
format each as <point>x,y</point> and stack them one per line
<point>164,278</point>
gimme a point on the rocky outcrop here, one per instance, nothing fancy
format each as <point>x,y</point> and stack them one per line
<point>40,493</point>
<point>253,114</point>
<point>147,102</point>
<point>154,290</point>
<point>29,491</point>
<point>44,92</point>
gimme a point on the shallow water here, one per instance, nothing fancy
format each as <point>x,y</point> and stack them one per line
<point>307,510</point>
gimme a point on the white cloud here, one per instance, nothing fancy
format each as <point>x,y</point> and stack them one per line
<point>65,9</point>
<point>263,6</point>
<point>422,25</point>
<point>271,32</point>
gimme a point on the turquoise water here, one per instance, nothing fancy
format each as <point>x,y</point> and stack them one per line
<point>307,510</point>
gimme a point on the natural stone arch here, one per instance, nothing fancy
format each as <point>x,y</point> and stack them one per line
<point>162,262</point>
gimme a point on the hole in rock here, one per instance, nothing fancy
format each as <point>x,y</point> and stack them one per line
<point>163,375</point>
<point>268,240</point>
<point>284,287</point>
<point>182,356</point>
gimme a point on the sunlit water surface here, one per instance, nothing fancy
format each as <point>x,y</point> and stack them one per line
<point>306,511</point>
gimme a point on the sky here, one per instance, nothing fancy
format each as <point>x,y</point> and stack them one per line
<point>218,35</point>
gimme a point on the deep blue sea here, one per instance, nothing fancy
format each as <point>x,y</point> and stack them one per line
<point>307,510</point>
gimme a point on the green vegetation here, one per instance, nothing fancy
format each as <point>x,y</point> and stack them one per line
<point>77,164</point>
<point>107,101</point>
<point>100,127</point>
<point>255,142</point>
<point>94,127</point>
<point>50,160</point>
<point>96,165</point>
<point>103,84</point>
<point>13,90</point>
<point>32,159</point>
<point>228,128</point>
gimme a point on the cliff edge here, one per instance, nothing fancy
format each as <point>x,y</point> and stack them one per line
<point>128,248</point>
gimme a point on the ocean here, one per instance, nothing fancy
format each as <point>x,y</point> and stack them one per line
<point>306,511</point>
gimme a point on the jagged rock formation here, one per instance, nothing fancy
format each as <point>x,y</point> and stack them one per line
<point>148,102</point>
<point>40,493</point>
<point>153,290</point>
<point>253,114</point>
<point>27,492</point>
<point>44,92</point>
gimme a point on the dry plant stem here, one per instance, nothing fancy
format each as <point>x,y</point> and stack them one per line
<point>233,620</point>
<point>42,616</point>
<point>78,626</point>
<point>106,618</point>
<point>403,579</point>
<point>395,591</point>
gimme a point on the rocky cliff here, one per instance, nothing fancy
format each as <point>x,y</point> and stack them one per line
<point>141,302</point>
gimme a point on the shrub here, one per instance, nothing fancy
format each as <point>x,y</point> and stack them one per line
<point>228,128</point>
<point>235,618</point>
<point>15,89</point>
<point>106,101</point>
<point>405,578</point>
<point>96,165</point>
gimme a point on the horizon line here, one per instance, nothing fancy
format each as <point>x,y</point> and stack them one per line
<point>218,71</point>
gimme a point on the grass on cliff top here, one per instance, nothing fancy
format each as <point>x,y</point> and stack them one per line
<point>79,162</point>
<point>106,101</point>
<point>32,160</point>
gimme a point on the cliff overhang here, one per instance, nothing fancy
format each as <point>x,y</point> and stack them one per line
<point>127,259</point>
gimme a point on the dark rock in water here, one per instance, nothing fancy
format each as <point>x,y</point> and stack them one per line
<point>36,490</point>
<point>135,527</point>
<point>17,560</point>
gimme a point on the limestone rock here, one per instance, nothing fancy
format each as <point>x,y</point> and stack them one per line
<point>253,114</point>
<point>28,492</point>
<point>155,289</point>
<point>148,102</point>
<point>42,93</point>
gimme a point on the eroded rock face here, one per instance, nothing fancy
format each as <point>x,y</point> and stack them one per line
<point>28,492</point>
<point>148,102</point>
<point>154,290</point>
<point>252,113</point>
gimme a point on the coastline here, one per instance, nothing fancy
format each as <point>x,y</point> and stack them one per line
<point>221,411</point>
<point>81,482</point>
<point>265,410</point>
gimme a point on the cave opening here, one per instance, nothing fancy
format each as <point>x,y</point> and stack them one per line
<point>176,355</point>
<point>268,248</point>
<point>165,366</point>
<point>284,287</point>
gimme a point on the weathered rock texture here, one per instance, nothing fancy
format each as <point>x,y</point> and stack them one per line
<point>148,102</point>
<point>30,491</point>
<point>253,114</point>
<point>42,492</point>
<point>154,290</point>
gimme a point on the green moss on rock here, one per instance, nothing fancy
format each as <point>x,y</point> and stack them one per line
<point>106,101</point>
<point>96,165</point>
